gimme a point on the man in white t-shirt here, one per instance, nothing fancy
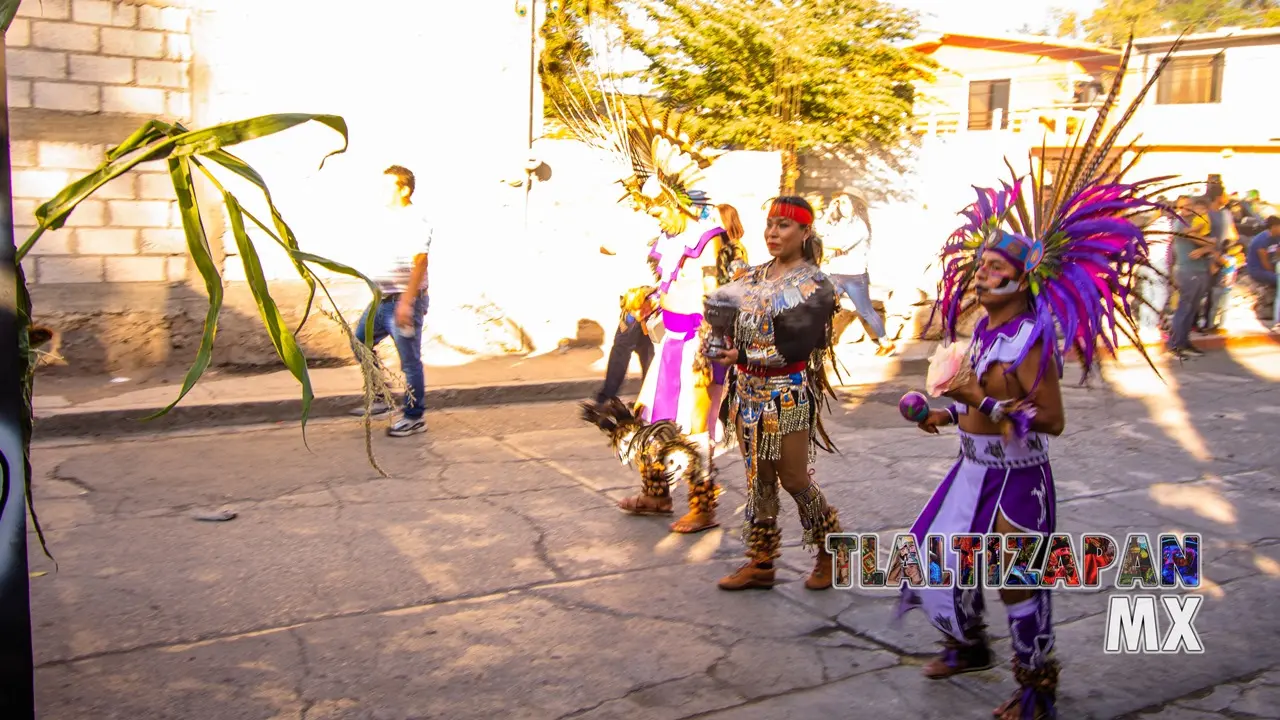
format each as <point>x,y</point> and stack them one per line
<point>396,259</point>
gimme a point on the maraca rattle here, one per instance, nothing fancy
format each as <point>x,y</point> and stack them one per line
<point>914,406</point>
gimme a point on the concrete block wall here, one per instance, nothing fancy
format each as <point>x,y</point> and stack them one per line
<point>87,70</point>
<point>130,230</point>
<point>100,56</point>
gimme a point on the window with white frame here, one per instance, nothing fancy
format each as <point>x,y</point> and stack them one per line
<point>1195,80</point>
<point>986,97</point>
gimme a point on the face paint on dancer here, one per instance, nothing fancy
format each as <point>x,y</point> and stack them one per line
<point>670,220</point>
<point>997,277</point>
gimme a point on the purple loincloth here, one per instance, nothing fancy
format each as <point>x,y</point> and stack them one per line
<point>991,477</point>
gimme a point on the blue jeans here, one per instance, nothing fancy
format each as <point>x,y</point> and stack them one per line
<point>1221,299</point>
<point>625,342</point>
<point>1215,302</point>
<point>1193,288</point>
<point>409,348</point>
<point>1269,289</point>
<point>858,288</point>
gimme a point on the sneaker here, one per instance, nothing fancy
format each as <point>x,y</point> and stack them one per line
<point>379,408</point>
<point>405,426</point>
<point>1193,351</point>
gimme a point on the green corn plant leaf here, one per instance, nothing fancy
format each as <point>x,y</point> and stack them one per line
<point>337,267</point>
<point>203,142</point>
<point>27,368</point>
<point>284,234</point>
<point>284,342</point>
<point>351,272</point>
<point>241,168</point>
<point>183,150</point>
<point>53,214</point>
<point>163,144</point>
<point>341,269</point>
<point>8,8</point>
<point>301,258</point>
<point>150,132</point>
<point>202,256</point>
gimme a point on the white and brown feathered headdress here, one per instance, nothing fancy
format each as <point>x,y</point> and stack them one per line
<point>658,162</point>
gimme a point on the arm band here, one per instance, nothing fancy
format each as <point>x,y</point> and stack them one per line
<point>992,408</point>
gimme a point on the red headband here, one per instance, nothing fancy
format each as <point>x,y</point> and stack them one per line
<point>794,212</point>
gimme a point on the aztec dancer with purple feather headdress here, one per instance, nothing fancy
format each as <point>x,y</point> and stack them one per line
<point>1053,266</point>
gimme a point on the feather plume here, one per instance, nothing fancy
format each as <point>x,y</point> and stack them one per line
<point>1084,283</point>
<point>644,143</point>
<point>1088,151</point>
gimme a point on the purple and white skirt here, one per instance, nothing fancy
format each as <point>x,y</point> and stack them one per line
<point>671,390</point>
<point>991,478</point>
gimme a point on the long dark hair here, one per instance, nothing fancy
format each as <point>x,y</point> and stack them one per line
<point>859,210</point>
<point>812,249</point>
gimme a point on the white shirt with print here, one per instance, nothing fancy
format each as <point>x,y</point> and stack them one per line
<point>400,234</point>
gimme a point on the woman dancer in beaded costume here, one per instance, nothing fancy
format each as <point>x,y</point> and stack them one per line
<point>1049,266</point>
<point>780,343</point>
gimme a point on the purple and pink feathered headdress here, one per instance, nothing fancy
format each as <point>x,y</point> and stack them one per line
<point>1075,241</point>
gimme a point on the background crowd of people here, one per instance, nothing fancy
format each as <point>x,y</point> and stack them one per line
<point>1219,251</point>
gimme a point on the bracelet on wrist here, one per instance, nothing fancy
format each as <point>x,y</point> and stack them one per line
<point>992,408</point>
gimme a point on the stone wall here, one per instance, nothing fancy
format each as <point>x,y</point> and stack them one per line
<point>82,74</point>
<point>90,56</point>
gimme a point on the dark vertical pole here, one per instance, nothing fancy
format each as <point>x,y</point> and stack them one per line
<point>17,687</point>
<point>533,76</point>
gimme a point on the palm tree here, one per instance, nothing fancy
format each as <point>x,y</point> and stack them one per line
<point>189,154</point>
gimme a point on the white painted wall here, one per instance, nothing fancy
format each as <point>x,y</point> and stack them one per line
<point>1247,114</point>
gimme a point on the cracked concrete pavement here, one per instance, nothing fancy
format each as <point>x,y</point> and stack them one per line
<point>491,576</point>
